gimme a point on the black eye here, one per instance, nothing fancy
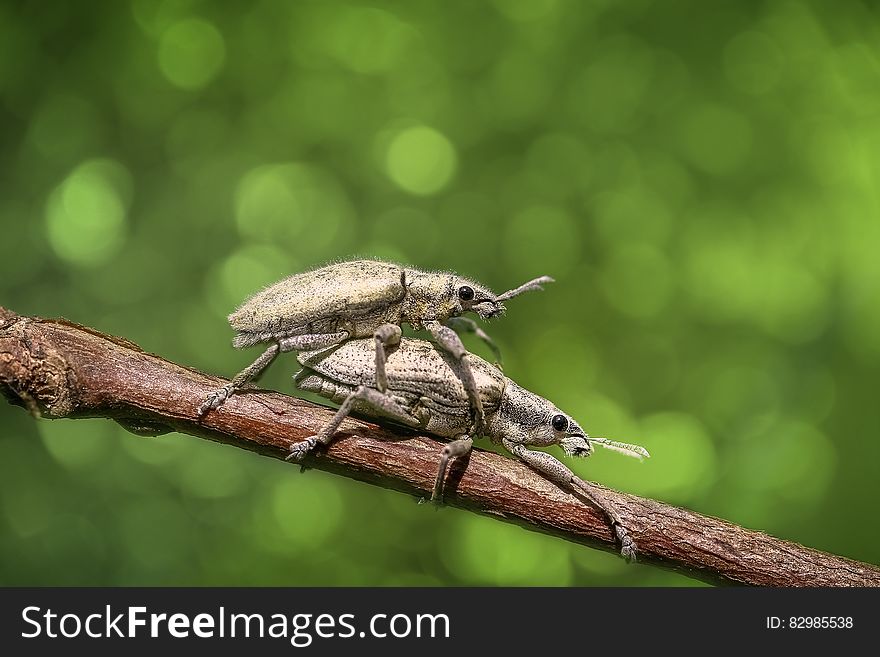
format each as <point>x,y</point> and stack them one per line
<point>466,293</point>
<point>559,422</point>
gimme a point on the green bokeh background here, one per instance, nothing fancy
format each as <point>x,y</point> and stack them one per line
<point>701,178</point>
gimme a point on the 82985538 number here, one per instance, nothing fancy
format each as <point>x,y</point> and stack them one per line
<point>820,622</point>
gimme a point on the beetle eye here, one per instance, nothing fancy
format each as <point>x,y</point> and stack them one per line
<point>559,422</point>
<point>466,293</point>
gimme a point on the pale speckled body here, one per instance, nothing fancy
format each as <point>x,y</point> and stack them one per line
<point>425,391</point>
<point>426,382</point>
<point>356,296</point>
<point>422,379</point>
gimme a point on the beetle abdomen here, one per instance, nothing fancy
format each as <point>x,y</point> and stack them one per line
<point>416,368</point>
<point>362,294</point>
<point>312,382</point>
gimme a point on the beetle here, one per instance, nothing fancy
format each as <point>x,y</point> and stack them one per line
<point>359,299</point>
<point>425,391</point>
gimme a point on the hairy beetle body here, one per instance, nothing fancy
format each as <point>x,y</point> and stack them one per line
<point>361,299</point>
<point>355,296</point>
<point>421,379</point>
<point>425,390</point>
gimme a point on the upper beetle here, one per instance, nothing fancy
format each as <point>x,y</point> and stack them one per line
<point>363,298</point>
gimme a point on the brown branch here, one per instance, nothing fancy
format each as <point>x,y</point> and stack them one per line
<point>59,369</point>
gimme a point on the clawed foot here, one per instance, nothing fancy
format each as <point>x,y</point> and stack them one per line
<point>299,450</point>
<point>215,399</point>
<point>627,545</point>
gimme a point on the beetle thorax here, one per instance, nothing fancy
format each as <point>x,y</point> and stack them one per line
<point>429,296</point>
<point>523,417</point>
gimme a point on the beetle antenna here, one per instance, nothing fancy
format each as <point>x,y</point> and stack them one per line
<point>534,284</point>
<point>636,451</point>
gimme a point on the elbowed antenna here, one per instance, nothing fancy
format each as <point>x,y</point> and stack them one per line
<point>636,451</point>
<point>534,284</point>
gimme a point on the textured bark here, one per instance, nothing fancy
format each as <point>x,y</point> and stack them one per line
<point>58,369</point>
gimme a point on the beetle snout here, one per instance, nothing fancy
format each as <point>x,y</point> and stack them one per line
<point>489,308</point>
<point>576,445</point>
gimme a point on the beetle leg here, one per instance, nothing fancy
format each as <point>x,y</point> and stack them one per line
<point>379,401</point>
<point>456,449</point>
<point>555,471</point>
<point>216,398</point>
<point>252,371</point>
<point>466,324</point>
<point>448,340</point>
<point>386,336</point>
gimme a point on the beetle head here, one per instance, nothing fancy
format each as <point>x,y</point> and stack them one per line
<point>481,300</point>
<point>534,421</point>
<point>467,295</point>
<point>439,296</point>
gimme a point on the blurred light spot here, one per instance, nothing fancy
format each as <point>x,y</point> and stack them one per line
<point>855,77</point>
<point>154,16</point>
<point>752,62</point>
<point>250,269</point>
<point>369,40</point>
<point>420,160</point>
<point>637,280</point>
<point>718,263</point>
<point>214,474</point>
<point>792,301</point>
<point>23,251</point>
<point>314,108</point>
<point>829,147</point>
<point>307,513</point>
<point>519,557</point>
<point>526,10</point>
<point>28,507</point>
<point>79,444</point>
<point>562,157</point>
<point>300,207</point>
<point>76,548</point>
<point>817,395</point>
<point>861,310</point>
<point>193,137</point>
<point>716,139</point>
<point>191,53</point>
<point>790,458</point>
<point>610,94</point>
<point>128,286</point>
<point>632,216</point>
<point>683,463</point>
<point>475,216</point>
<point>64,127</point>
<point>421,86</point>
<point>156,533</point>
<point>519,88</point>
<point>668,179</point>
<point>85,214</point>
<point>539,239</point>
<point>414,231</point>
<point>733,271</point>
<point>734,390</point>
<point>561,348</point>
